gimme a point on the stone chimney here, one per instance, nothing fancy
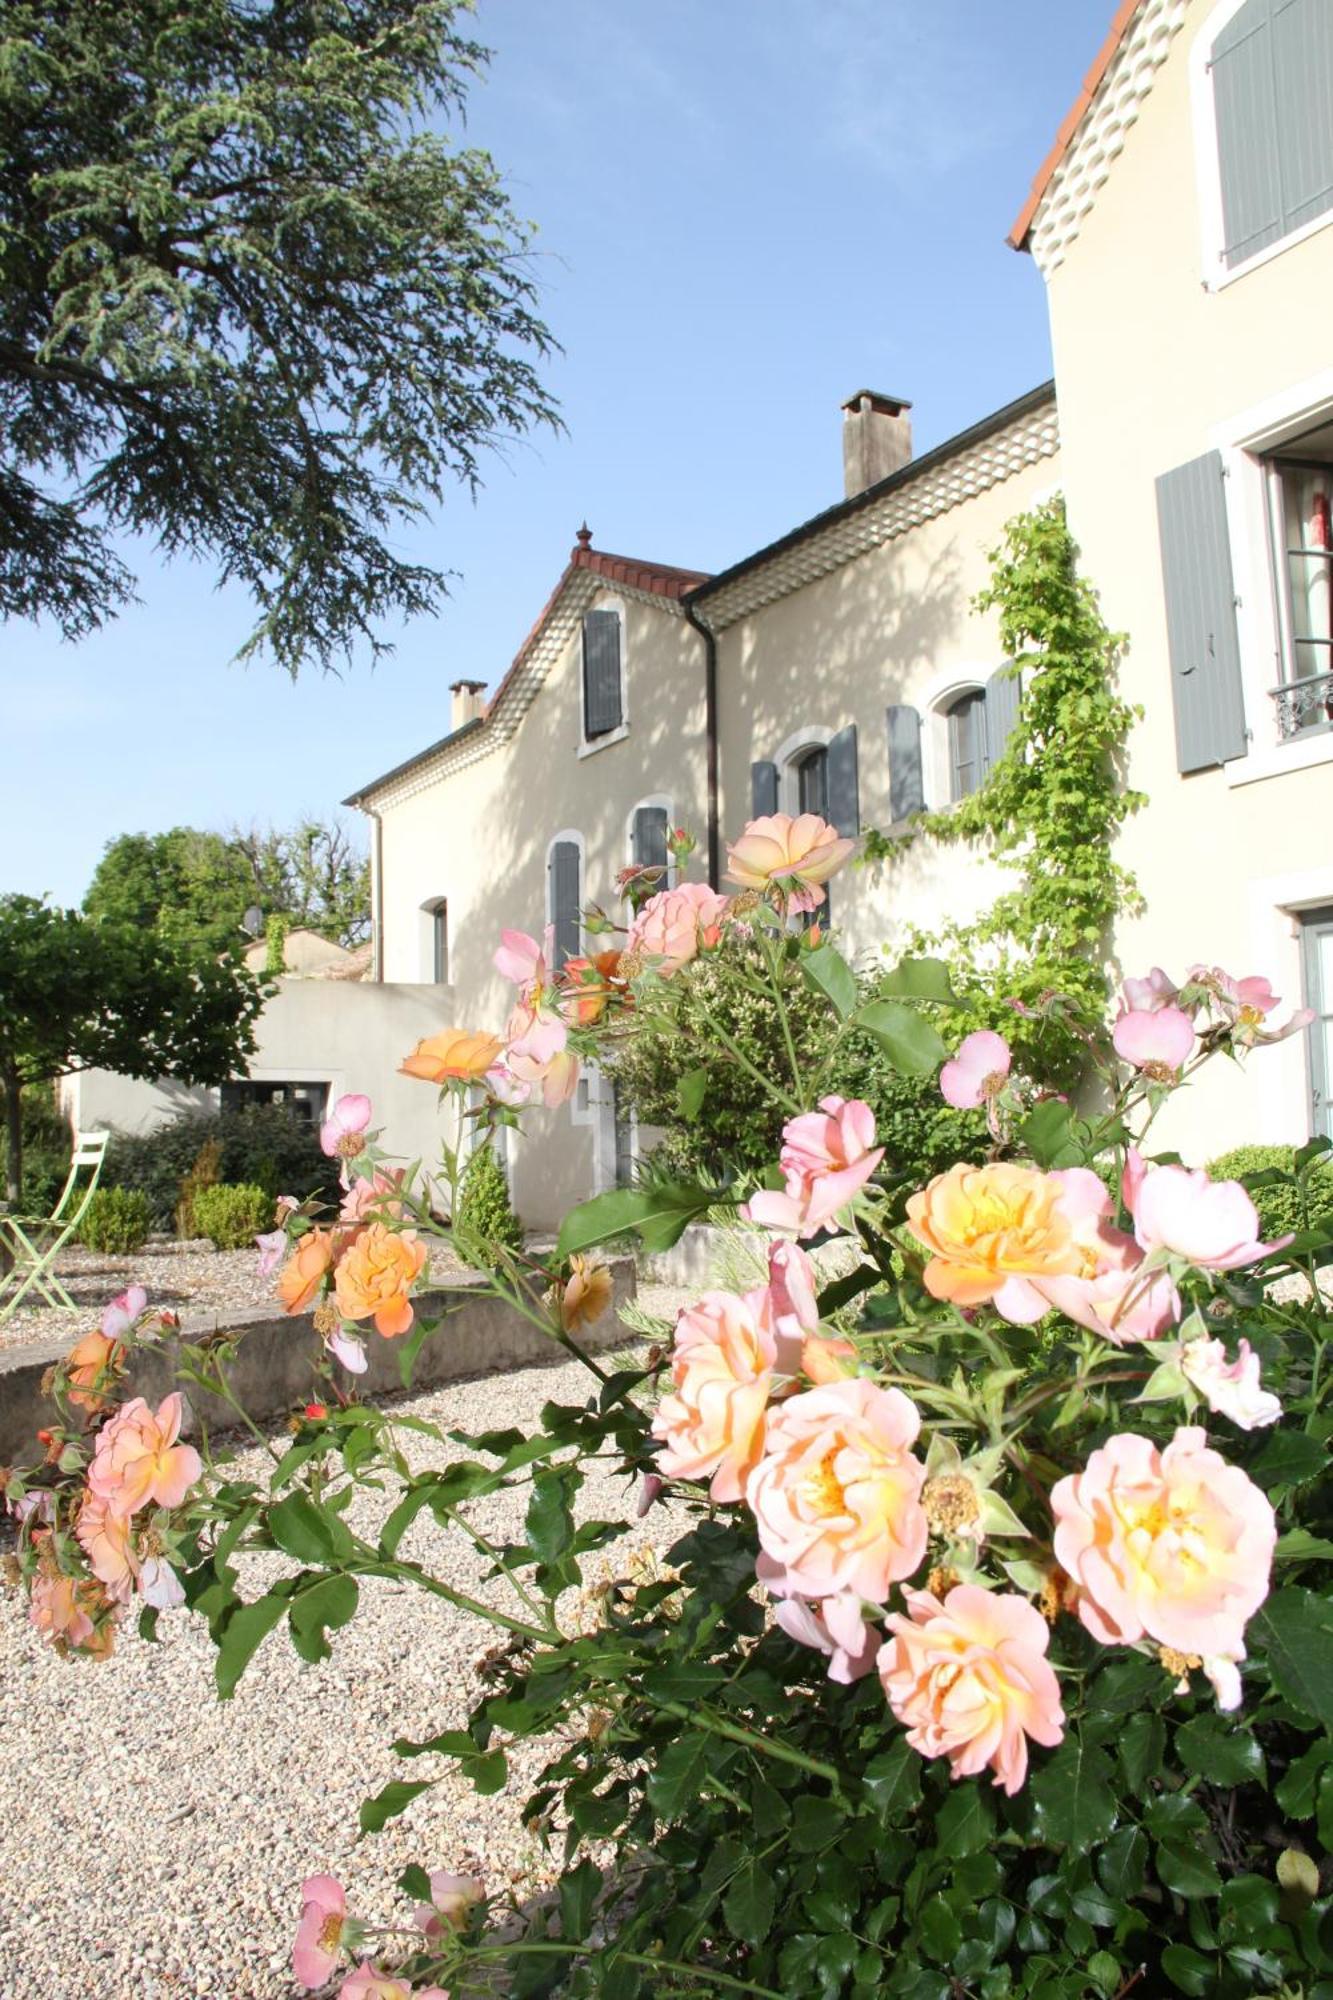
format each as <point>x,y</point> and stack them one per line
<point>468,704</point>
<point>876,439</point>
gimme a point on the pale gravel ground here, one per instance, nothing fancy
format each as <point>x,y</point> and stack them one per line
<point>154,1840</point>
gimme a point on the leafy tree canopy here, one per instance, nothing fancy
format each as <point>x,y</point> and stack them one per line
<point>251,304</point>
<point>79,994</point>
<point>199,885</point>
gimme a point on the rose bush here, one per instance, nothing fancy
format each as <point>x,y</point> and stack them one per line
<point>995,1656</point>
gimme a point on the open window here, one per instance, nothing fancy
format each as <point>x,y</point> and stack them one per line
<point>1300,517</point>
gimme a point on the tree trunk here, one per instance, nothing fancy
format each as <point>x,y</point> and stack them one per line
<point>13,1136</point>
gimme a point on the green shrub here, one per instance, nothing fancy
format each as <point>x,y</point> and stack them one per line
<point>485,1212</point>
<point>116,1221</point>
<point>205,1173</point>
<point>264,1146</point>
<point>231,1217</point>
<point>1287,1201</point>
<point>46,1150</point>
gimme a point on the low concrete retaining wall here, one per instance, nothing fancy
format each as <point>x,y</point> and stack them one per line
<point>271,1371</point>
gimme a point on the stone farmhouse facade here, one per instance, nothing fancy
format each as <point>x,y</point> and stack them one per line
<point>1181,226</point>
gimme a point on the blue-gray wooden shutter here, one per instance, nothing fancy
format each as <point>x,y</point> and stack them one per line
<point>566,895</point>
<point>1272,78</point>
<point>907,793</point>
<point>602,710</point>
<point>842,790</point>
<point>1002,698</point>
<point>649,837</point>
<point>763,788</point>
<point>1202,639</point>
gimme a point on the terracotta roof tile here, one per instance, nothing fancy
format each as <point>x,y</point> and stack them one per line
<point>1018,235</point>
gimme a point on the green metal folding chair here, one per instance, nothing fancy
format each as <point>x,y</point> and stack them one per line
<point>35,1241</point>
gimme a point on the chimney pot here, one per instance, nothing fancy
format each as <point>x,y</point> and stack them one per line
<point>876,439</point>
<point>467,702</point>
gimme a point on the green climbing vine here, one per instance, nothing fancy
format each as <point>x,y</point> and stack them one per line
<point>1051,806</point>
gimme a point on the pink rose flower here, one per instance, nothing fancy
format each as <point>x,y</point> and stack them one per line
<point>451,1897</point>
<point>675,924</point>
<point>797,855</point>
<point>970,1679</point>
<point>341,1134</point>
<point>373,1197</point>
<point>721,1370</point>
<point>323,1933</point>
<point>836,1494</point>
<point>1245,1004</point>
<point>107,1540</point>
<point>837,1627</point>
<point>137,1461</point>
<point>1111,1295</point>
<point>827,1157</point>
<point>272,1248</point>
<point>1232,1389</point>
<point>978,1071</point>
<point>1157,1043</point>
<point>553,1078</point>
<point>1173,1546</point>
<point>787,1307</point>
<point>524,962</point>
<point>1150,995</point>
<point>1213,1224</point>
<point>58,1609</point>
<point>120,1315</point>
<point>369,1983</point>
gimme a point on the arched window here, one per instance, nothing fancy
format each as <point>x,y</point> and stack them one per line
<point>564,895</point>
<point>811,769</point>
<point>968,761</point>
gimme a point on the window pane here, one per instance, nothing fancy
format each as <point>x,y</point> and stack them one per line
<point>440,943</point>
<point>966,754</point>
<point>1308,496</point>
<point>812,783</point>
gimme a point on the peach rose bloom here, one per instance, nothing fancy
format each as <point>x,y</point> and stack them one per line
<point>303,1274</point>
<point>138,1463</point>
<point>835,1627</point>
<point>586,1295</point>
<point>1173,1546</point>
<point>554,1076</point>
<point>453,1053</point>
<point>369,1983</point>
<point>1231,1388</point>
<point>990,1228</point>
<point>836,1495</point>
<point>797,855</point>
<point>376,1275</point>
<point>969,1678</point>
<point>87,1364</point>
<point>106,1540</point>
<point>673,925</point>
<point>1213,1224</point>
<point>57,1608</point>
<point>827,1157</point>
<point>721,1369</point>
<point>451,1897</point>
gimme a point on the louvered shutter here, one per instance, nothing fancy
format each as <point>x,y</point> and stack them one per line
<point>602,710</point>
<point>763,789</point>
<point>844,804</point>
<point>1272,78</point>
<point>1201,630</point>
<point>649,837</point>
<point>566,895</point>
<point>1002,698</point>
<point>907,793</point>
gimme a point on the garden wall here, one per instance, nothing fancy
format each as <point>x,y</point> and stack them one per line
<point>272,1369</point>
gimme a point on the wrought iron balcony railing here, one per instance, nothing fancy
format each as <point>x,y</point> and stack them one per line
<point>1304,705</point>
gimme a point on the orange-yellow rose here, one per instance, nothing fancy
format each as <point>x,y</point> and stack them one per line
<point>453,1053</point>
<point>989,1228</point>
<point>88,1365</point>
<point>375,1278</point>
<point>302,1275</point>
<point>797,854</point>
<point>587,984</point>
<point>586,1295</point>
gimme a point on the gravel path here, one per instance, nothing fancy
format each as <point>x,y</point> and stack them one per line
<point>155,1840</point>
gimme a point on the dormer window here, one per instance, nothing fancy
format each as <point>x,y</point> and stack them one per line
<point>603,675</point>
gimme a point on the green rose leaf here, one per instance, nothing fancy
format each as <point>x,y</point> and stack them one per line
<point>550,1519</point>
<point>330,1602</point>
<point>392,1800</point>
<point>1075,1803</point>
<point>1186,1869</point>
<point>1187,1970</point>
<point>681,1768</point>
<point>659,1215</point>
<point>828,972</point>
<point>1223,1755</point>
<point>1295,1629</point>
<point>690,1094</point>
<point>749,1903</point>
<point>1290,1458</point>
<point>893,1782</point>
<point>1122,1861</point>
<point>247,1626</point>
<point>966,1821</point>
<point>578,1894</point>
<point>1295,1791</point>
<point>919,979</point>
<point>308,1532</point>
<point>912,1046</point>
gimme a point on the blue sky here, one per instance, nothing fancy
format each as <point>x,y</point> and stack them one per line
<point>747,210</point>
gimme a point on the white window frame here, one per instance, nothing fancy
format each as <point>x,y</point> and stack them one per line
<point>668,804</point>
<point>1276,905</point>
<point>1246,440</point>
<point>590,745</point>
<point>568,833</point>
<point>935,702</point>
<point>430,910</point>
<point>1208,171</point>
<point>789,758</point>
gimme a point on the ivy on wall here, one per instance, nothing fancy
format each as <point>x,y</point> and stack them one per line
<point>1052,805</point>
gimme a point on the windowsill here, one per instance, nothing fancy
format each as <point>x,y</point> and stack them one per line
<point>1277,759</point>
<point>591,745</point>
<point>1223,278</point>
